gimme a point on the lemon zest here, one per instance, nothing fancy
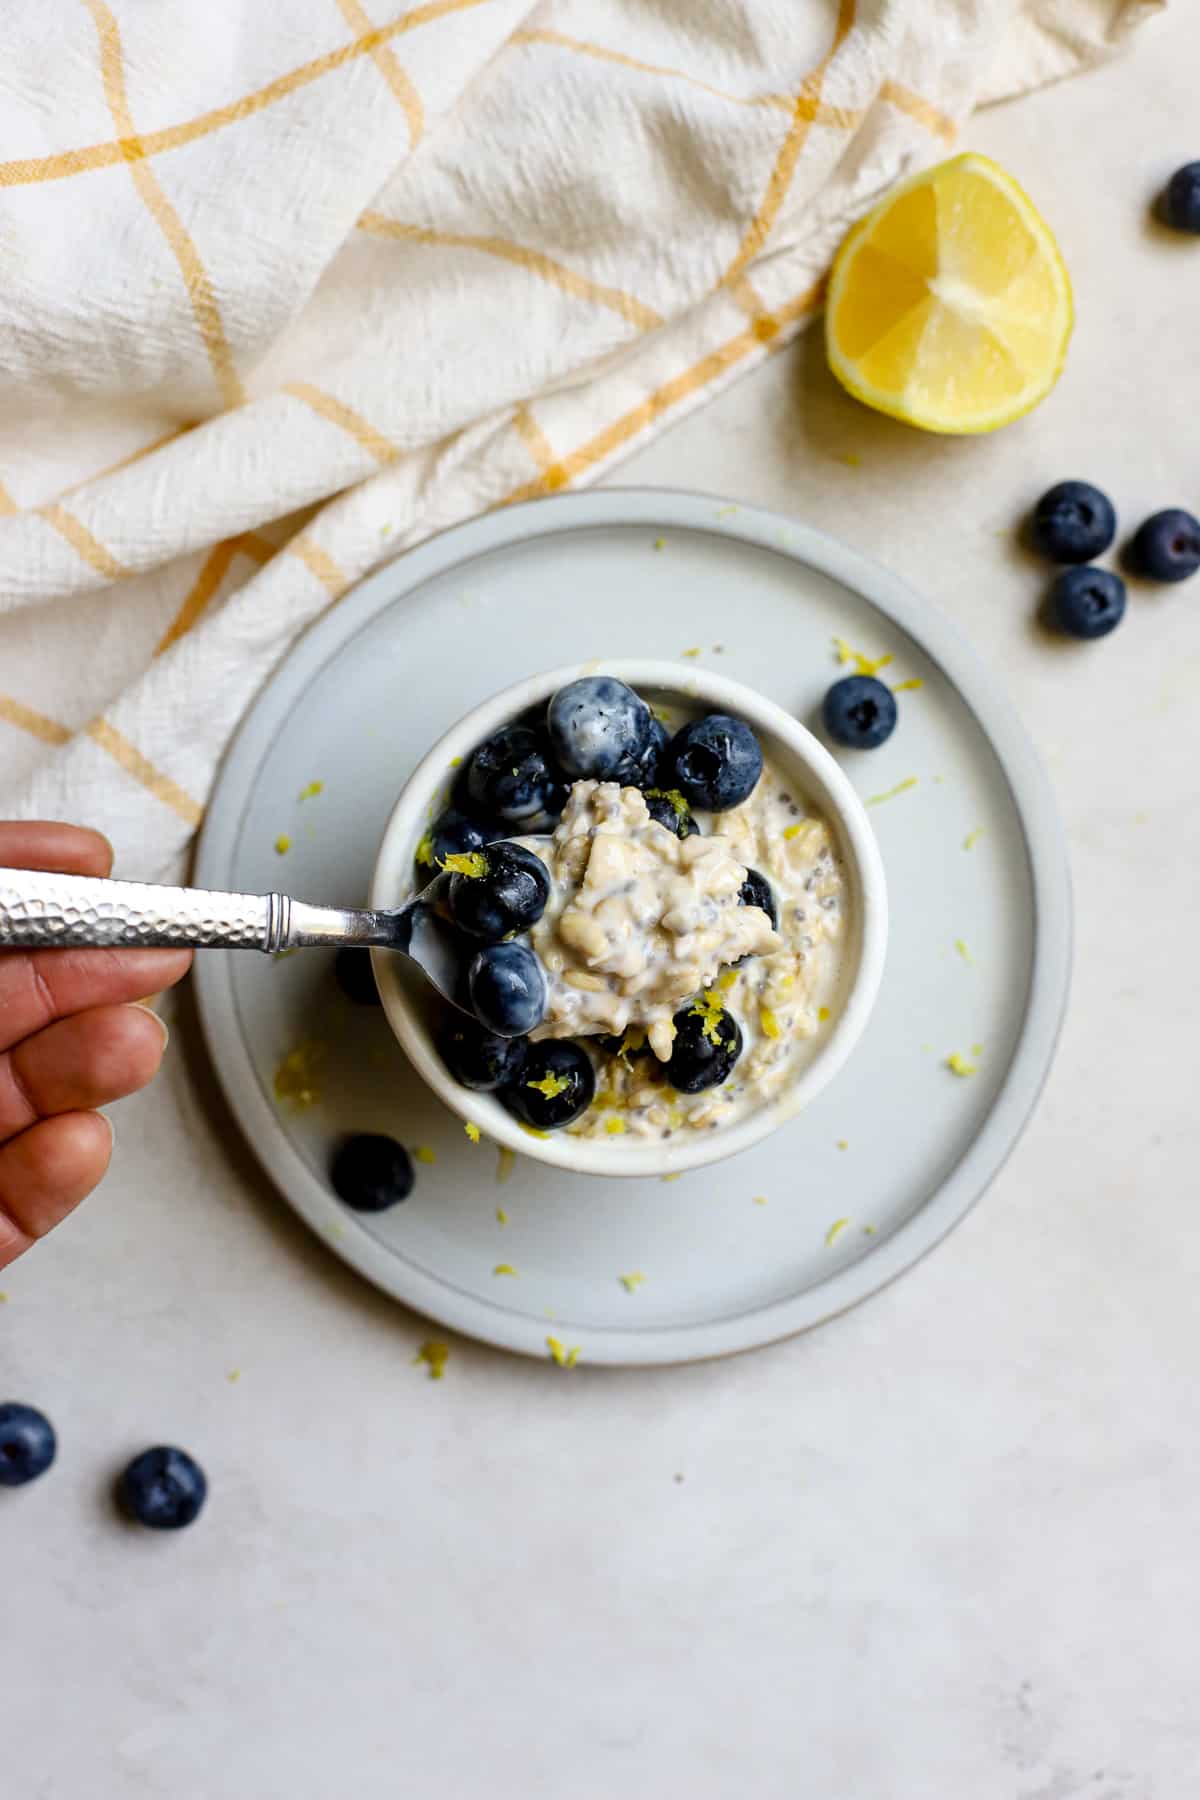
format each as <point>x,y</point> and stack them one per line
<point>633,1041</point>
<point>504,1269</point>
<point>972,838</point>
<point>566,1359</point>
<point>843,1143</point>
<point>864,665</point>
<point>835,1231</point>
<point>660,543</point>
<point>910,686</point>
<point>551,1085</point>
<point>675,1175</point>
<point>674,799</point>
<point>424,851</point>
<point>472,1130</point>
<point>631,1283</point>
<point>769,1022</point>
<point>234,1375</point>
<point>424,1154</point>
<point>901,787</point>
<point>976,1049</point>
<point>694,651</point>
<point>728,980</point>
<point>760,1199</point>
<point>298,1075</point>
<point>501,1215</point>
<point>614,1127</point>
<point>311,791</point>
<point>957,1064</point>
<point>962,950</point>
<point>532,1131</point>
<point>435,1356</point>
<point>504,1164</point>
<point>283,844</point>
<point>710,1009</point>
<point>472,864</point>
<point>456,762</point>
<point>822,1013</point>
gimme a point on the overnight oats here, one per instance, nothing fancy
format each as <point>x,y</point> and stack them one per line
<point>660,918</point>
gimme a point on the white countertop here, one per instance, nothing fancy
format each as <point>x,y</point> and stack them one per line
<point>943,1548</point>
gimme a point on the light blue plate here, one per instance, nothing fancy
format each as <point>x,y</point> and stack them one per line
<point>898,1145</point>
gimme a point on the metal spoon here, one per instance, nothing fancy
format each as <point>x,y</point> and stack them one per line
<point>40,911</point>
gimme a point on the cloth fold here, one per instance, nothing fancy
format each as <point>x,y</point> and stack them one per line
<point>285,289</point>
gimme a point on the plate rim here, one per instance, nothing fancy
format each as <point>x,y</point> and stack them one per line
<point>1033,802</point>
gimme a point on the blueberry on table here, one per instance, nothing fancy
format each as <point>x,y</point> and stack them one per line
<point>756,891</point>
<point>859,712</point>
<point>454,833</point>
<point>512,776</point>
<point>507,987</point>
<point>1167,546</point>
<point>715,762</point>
<point>371,1172</point>
<point>1073,523</point>
<point>354,975</point>
<point>669,808</point>
<point>708,1041</point>
<point>27,1444</point>
<point>163,1488</point>
<point>478,1059</point>
<point>599,728</point>
<point>505,890</point>
<point>1087,603</point>
<point>556,1084</point>
<point>1181,202</point>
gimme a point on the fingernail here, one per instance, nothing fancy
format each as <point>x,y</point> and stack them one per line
<point>140,1006</point>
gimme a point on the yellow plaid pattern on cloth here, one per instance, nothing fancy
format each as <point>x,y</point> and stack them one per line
<point>284,289</point>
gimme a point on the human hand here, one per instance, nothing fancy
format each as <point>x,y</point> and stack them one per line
<point>69,1042</point>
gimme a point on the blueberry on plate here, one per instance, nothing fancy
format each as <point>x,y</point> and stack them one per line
<point>715,762</point>
<point>507,986</point>
<point>371,1172</point>
<point>454,833</point>
<point>478,1059</point>
<point>1167,546</point>
<point>1087,603</point>
<point>163,1488</point>
<point>756,891</point>
<point>27,1444</point>
<point>555,1086</point>
<point>512,776</point>
<point>1073,522</point>
<point>708,1041</point>
<point>598,729</point>
<point>354,975</point>
<point>508,893</point>
<point>1181,201</point>
<point>859,712</point>
<point>669,808</point>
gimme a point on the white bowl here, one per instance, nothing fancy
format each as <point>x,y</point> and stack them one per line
<point>413,1009</point>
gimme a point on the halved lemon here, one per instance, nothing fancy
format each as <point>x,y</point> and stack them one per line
<point>949,305</point>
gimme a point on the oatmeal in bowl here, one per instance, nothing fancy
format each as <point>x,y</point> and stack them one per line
<point>674,906</point>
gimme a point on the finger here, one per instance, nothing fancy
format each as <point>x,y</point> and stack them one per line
<point>37,987</point>
<point>45,1173</point>
<point>45,844</point>
<point>80,1063</point>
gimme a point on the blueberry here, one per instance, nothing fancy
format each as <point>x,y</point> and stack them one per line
<point>598,728</point>
<point>354,975</point>
<point>163,1488</point>
<point>1073,522</point>
<point>478,1058</point>
<point>1181,202</point>
<point>27,1444</point>
<point>507,989</point>
<point>708,1041</point>
<point>1087,603</point>
<point>1167,546</point>
<point>669,807</point>
<point>715,762</point>
<point>648,765</point>
<point>453,834</point>
<point>509,893</point>
<point>512,776</point>
<point>859,712</point>
<point>756,891</point>
<point>555,1086</point>
<point>371,1172</point>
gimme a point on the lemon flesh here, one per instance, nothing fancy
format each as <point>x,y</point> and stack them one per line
<point>949,305</point>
